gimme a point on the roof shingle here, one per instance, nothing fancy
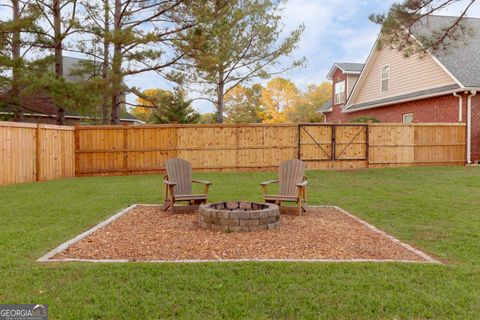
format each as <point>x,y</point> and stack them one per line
<point>461,58</point>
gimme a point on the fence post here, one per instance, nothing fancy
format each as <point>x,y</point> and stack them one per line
<point>77,148</point>
<point>367,145</point>
<point>299,142</point>
<point>125,149</point>
<point>38,153</point>
<point>237,145</point>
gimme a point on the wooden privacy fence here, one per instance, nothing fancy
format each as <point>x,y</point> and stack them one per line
<point>35,152</point>
<point>141,149</point>
<point>31,152</point>
<point>120,150</point>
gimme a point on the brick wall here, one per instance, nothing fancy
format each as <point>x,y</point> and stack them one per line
<point>437,109</point>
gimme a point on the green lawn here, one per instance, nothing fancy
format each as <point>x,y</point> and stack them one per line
<point>435,209</point>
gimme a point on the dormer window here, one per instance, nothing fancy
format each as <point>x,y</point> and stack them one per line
<point>339,94</point>
<point>385,76</point>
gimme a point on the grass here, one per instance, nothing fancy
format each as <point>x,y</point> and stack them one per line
<point>436,209</point>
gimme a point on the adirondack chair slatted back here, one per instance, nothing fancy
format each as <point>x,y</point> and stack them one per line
<point>290,173</point>
<point>180,172</point>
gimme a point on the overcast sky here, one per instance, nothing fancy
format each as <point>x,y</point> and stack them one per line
<point>335,31</point>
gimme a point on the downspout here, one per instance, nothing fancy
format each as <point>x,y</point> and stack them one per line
<point>473,93</point>
<point>460,106</point>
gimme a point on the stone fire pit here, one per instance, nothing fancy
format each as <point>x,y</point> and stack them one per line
<point>239,216</point>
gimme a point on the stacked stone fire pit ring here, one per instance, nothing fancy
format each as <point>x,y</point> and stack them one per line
<point>239,216</point>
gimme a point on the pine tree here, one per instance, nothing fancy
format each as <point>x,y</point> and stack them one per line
<point>60,18</point>
<point>174,108</point>
<point>13,65</point>
<point>234,41</point>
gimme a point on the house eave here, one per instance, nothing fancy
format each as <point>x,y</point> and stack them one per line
<point>332,71</point>
<point>325,111</point>
<point>348,73</point>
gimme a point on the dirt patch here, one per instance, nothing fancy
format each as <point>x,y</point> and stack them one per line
<point>146,233</point>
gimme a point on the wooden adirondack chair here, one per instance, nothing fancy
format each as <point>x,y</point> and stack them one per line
<point>293,185</point>
<point>178,185</point>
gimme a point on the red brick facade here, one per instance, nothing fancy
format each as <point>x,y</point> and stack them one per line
<point>438,109</point>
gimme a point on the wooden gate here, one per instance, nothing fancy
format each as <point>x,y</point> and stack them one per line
<point>333,142</point>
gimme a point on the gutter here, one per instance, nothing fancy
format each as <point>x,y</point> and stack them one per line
<point>473,93</point>
<point>460,106</point>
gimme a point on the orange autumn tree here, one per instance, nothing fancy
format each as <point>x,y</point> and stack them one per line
<point>145,113</point>
<point>242,104</point>
<point>309,102</point>
<point>278,99</point>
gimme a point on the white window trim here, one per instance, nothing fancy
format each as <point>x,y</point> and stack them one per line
<point>381,78</point>
<point>406,115</point>
<point>344,99</point>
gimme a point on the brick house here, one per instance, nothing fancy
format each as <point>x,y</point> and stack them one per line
<point>424,87</point>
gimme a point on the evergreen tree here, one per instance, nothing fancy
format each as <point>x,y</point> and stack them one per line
<point>130,38</point>
<point>13,64</point>
<point>174,108</point>
<point>60,20</point>
<point>234,41</point>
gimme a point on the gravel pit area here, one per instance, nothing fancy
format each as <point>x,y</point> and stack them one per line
<point>145,233</point>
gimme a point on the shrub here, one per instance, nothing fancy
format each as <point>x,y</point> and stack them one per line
<point>365,119</point>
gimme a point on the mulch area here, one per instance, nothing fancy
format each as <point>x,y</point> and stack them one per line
<point>146,233</point>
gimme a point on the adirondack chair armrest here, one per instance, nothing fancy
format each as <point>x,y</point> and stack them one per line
<point>266,183</point>
<point>302,184</point>
<point>207,183</point>
<point>169,183</point>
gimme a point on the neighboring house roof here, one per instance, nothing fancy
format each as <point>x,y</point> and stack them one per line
<point>42,107</point>
<point>346,68</point>
<point>461,58</point>
<point>327,107</point>
<point>460,62</point>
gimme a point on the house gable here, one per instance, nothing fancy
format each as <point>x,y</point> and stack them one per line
<point>406,75</point>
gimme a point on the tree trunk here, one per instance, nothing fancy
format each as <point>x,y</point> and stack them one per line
<point>220,96</point>
<point>16,61</point>
<point>58,46</point>
<point>106,45</point>
<point>116,64</point>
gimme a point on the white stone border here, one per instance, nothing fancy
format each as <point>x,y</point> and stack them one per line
<point>48,257</point>
<point>83,235</point>
<point>383,233</point>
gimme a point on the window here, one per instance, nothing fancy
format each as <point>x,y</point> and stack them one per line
<point>408,118</point>
<point>339,92</point>
<point>385,77</point>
